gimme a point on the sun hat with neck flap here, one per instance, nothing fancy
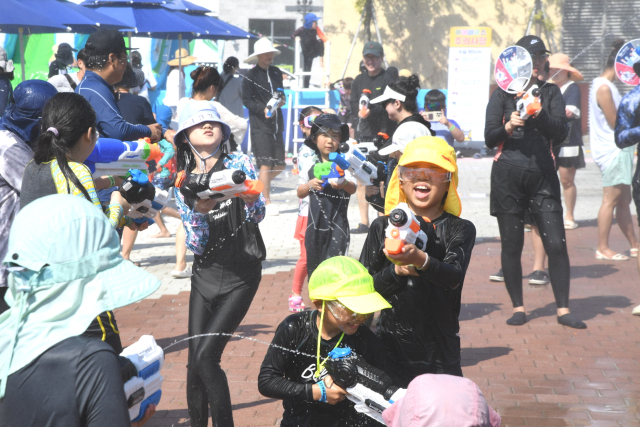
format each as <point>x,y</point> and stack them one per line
<point>263,45</point>
<point>426,149</point>
<point>62,274</point>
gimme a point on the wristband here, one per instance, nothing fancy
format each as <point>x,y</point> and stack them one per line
<point>452,128</point>
<point>426,261</point>
<point>112,181</point>
<point>323,390</point>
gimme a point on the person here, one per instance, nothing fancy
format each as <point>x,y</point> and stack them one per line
<point>436,102</point>
<point>570,156</point>
<point>228,253</point>
<point>373,120</point>
<point>258,88</point>
<point>19,130</point>
<point>616,164</point>
<point>230,91</point>
<point>206,84</point>
<point>65,272</point>
<point>312,41</point>
<point>150,83</point>
<point>63,60</point>
<point>344,108</point>
<point>305,159</point>
<point>627,135</point>
<point>175,80</point>
<point>343,294</point>
<point>69,81</point>
<point>68,138</point>
<point>327,233</point>
<point>424,287</point>
<point>6,76</point>
<point>523,178</point>
<point>441,400</point>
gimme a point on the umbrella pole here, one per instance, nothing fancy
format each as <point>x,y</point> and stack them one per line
<point>179,65</point>
<point>20,32</point>
<point>129,34</point>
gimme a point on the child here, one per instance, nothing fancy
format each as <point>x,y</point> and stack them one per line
<point>306,159</point>
<point>343,293</point>
<point>436,102</point>
<point>327,232</point>
<point>228,253</point>
<point>424,288</point>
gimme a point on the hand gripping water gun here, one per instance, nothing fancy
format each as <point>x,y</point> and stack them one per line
<point>349,157</point>
<point>115,157</point>
<point>403,229</point>
<point>368,387</point>
<point>277,96</point>
<point>527,105</point>
<point>368,144</point>
<point>145,199</point>
<point>143,385</point>
<point>329,173</point>
<point>364,102</point>
<point>221,185</point>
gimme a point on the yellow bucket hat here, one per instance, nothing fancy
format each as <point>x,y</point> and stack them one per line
<point>426,149</point>
<point>346,280</point>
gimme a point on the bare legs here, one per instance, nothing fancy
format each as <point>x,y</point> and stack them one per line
<point>570,192</point>
<point>615,198</point>
<point>363,206</point>
<point>266,175</point>
<point>158,219</point>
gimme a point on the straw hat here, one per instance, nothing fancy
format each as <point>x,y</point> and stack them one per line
<point>263,45</point>
<point>561,61</point>
<point>186,59</point>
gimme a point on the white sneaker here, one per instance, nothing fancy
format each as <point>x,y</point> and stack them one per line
<point>272,210</point>
<point>636,311</point>
<point>184,274</point>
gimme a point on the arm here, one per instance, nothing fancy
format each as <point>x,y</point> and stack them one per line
<point>627,131</point>
<point>604,98</point>
<point>255,210</point>
<point>14,160</point>
<point>456,132</point>
<point>5,92</point>
<point>195,225</point>
<point>237,124</point>
<point>354,102</point>
<point>251,100</point>
<point>552,122</point>
<point>572,99</point>
<point>494,126</point>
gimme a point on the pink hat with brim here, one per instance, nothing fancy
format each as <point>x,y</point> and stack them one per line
<point>441,401</point>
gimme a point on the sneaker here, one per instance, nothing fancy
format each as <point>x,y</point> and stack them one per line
<point>272,210</point>
<point>184,274</point>
<point>498,277</point>
<point>539,277</point>
<point>636,311</point>
<point>360,229</point>
<point>295,304</point>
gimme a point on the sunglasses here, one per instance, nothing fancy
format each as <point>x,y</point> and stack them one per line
<point>343,314</point>
<point>422,174</point>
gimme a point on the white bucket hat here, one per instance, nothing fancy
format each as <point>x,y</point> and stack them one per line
<point>263,45</point>
<point>6,65</point>
<point>405,133</point>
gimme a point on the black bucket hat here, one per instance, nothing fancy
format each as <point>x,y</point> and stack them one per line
<point>327,120</point>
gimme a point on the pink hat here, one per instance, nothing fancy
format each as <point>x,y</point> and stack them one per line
<point>441,400</point>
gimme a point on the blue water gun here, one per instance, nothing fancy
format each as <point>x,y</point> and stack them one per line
<point>329,173</point>
<point>115,157</point>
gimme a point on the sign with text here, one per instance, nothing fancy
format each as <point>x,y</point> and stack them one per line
<point>470,37</point>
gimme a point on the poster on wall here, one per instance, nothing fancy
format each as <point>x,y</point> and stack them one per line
<point>469,78</point>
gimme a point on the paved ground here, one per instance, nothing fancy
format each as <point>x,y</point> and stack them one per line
<point>539,374</point>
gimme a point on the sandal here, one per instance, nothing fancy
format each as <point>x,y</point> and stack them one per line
<point>570,225</point>
<point>633,252</point>
<point>616,257</point>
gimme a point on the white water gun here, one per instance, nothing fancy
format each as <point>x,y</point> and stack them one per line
<point>350,157</point>
<point>403,229</point>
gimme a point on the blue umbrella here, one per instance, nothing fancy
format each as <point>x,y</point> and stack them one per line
<point>215,28</point>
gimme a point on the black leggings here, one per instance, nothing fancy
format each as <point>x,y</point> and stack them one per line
<point>206,381</point>
<point>551,226</point>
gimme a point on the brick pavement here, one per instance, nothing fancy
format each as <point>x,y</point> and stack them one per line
<point>539,374</point>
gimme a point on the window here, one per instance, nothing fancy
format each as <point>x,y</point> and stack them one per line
<point>279,31</point>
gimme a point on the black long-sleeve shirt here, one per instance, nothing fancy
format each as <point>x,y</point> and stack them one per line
<point>257,89</point>
<point>533,152</point>
<point>289,376</point>
<point>378,119</point>
<point>420,330</point>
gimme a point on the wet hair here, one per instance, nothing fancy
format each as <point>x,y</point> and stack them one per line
<point>82,56</point>
<point>308,111</point>
<point>71,115</point>
<point>435,95</point>
<point>615,47</point>
<point>97,62</point>
<point>203,78</point>
<point>409,87</point>
<point>136,59</point>
<point>230,65</point>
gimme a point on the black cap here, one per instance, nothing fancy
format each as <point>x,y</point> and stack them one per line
<point>533,44</point>
<point>105,42</point>
<point>65,53</point>
<point>372,48</point>
<point>330,121</point>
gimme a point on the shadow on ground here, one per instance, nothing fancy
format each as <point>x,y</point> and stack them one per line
<point>473,356</point>
<point>586,308</point>
<point>593,271</point>
<point>477,310</point>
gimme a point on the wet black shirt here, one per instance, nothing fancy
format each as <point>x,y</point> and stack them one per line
<point>420,331</point>
<point>378,120</point>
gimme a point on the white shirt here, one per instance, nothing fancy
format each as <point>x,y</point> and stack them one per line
<point>601,136</point>
<point>306,160</point>
<point>173,95</point>
<point>61,83</point>
<point>237,124</point>
<point>150,81</point>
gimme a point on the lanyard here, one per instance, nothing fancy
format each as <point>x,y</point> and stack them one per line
<point>320,366</point>
<point>271,87</point>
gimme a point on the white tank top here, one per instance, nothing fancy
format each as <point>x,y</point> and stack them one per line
<point>601,136</point>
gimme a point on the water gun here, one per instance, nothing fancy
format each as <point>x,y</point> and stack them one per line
<point>369,388</point>
<point>364,102</point>
<point>528,105</point>
<point>350,157</point>
<point>145,199</point>
<point>295,170</point>
<point>277,96</point>
<point>143,385</point>
<point>168,151</point>
<point>221,185</point>
<point>368,144</point>
<point>403,229</point>
<point>115,157</point>
<point>329,173</point>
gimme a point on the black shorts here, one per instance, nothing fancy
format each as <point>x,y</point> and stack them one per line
<point>515,190</point>
<point>576,162</point>
<point>268,149</point>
